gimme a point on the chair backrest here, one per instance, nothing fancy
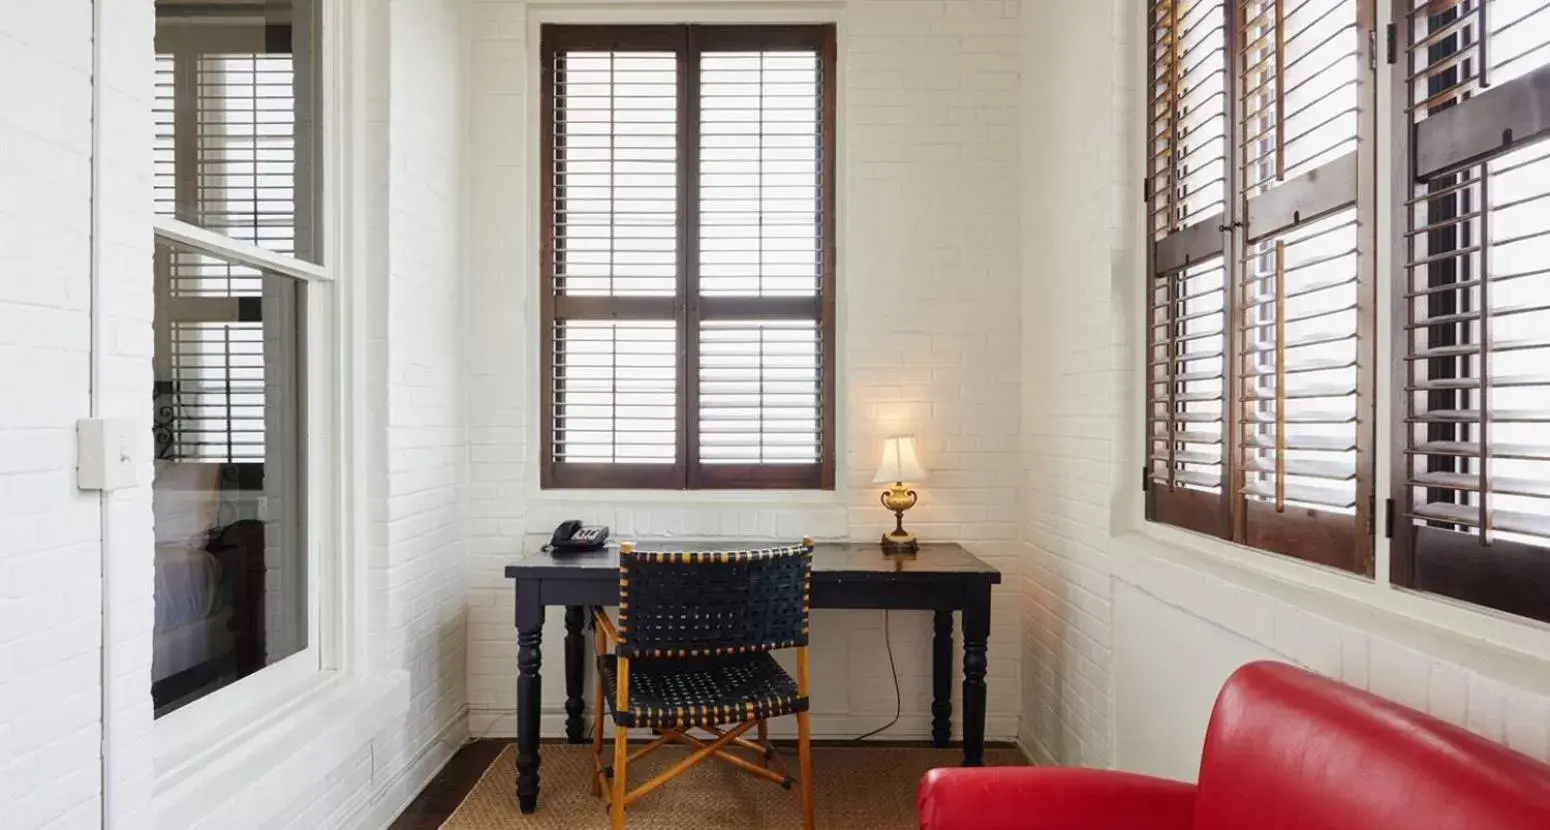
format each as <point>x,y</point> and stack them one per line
<point>1291,750</point>
<point>703,603</point>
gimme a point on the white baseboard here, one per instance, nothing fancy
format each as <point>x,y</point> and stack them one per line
<point>378,808</point>
<point>1034,750</point>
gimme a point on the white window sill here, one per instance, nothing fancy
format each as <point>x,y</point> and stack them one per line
<point>243,777</point>
<point>1511,649</point>
<point>692,498</point>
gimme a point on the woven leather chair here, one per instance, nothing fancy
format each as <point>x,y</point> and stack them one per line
<point>692,652</point>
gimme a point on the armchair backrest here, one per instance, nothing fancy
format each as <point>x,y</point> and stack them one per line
<point>688,604</point>
<point>1291,750</point>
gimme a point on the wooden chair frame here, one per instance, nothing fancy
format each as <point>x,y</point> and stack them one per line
<point>769,764</point>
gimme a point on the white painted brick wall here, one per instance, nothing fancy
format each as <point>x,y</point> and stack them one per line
<point>1082,258</point>
<point>50,544</point>
<point>422,570</point>
<point>417,444</point>
<point>1072,354</point>
<point>928,345</point>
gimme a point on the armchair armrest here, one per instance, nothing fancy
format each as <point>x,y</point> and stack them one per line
<point>606,626</point>
<point>1046,798</point>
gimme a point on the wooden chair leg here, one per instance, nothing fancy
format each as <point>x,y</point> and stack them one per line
<point>621,759</point>
<point>599,712</point>
<point>805,756</point>
<point>764,741</point>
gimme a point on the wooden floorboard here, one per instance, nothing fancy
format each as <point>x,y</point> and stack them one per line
<point>450,786</point>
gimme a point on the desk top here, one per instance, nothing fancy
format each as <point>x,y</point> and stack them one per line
<point>832,561</point>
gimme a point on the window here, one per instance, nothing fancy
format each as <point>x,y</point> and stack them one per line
<point>236,247</point>
<point>688,257</point>
<point>1260,363</point>
<point>1471,438</point>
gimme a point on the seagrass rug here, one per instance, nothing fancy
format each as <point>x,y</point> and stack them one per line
<point>861,787</point>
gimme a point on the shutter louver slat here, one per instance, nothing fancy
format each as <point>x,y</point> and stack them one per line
<point>1475,481</point>
<point>1470,449</point>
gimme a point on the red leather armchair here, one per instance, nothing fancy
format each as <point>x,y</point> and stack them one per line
<point>1286,750</point>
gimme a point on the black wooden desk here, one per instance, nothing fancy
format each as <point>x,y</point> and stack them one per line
<point>943,578</point>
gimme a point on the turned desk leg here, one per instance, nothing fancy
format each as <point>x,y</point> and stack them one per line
<point>942,677</point>
<point>976,632</point>
<point>530,637</point>
<point>575,674</point>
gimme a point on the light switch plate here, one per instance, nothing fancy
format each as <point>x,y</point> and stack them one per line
<point>105,454</point>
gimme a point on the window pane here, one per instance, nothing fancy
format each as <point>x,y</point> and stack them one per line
<point>236,102</point>
<point>228,496</point>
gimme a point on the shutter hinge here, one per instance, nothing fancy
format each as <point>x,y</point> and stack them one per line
<point>1372,50</point>
<point>1391,34</point>
<point>1388,519</point>
<point>1146,191</point>
<point>1146,479</point>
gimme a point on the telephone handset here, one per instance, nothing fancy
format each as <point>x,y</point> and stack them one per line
<point>574,537</point>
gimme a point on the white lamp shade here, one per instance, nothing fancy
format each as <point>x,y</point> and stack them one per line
<point>899,461</point>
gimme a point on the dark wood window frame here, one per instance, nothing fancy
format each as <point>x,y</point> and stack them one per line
<point>1193,478</point>
<point>687,308</point>
<point>1451,119</point>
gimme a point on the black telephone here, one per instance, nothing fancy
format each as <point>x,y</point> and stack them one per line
<point>573,537</point>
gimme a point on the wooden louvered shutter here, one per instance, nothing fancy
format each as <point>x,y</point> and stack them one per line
<point>1304,287</point>
<point>613,256</point>
<point>1472,429</point>
<point>689,249</point>
<point>761,285</point>
<point>1260,302</point>
<point>1187,476</point>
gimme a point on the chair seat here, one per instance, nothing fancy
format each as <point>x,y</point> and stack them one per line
<point>676,693</point>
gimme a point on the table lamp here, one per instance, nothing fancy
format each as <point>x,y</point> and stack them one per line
<point>899,465</point>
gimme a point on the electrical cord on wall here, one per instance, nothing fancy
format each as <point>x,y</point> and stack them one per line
<point>898,697</point>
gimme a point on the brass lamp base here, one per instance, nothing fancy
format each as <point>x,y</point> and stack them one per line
<point>899,498</point>
<point>895,544</point>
